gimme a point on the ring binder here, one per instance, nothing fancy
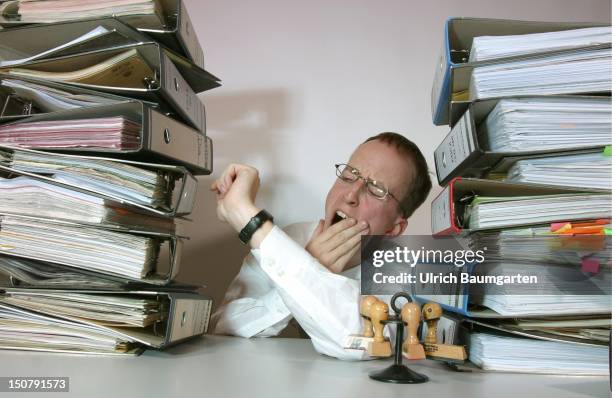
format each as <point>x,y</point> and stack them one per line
<point>170,76</point>
<point>170,25</point>
<point>448,208</point>
<point>452,75</point>
<point>162,270</point>
<point>161,138</point>
<point>65,38</point>
<point>178,33</point>
<point>185,315</point>
<point>35,93</point>
<point>464,151</point>
<point>179,181</point>
<point>35,274</point>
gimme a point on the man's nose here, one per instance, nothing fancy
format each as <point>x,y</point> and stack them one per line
<point>354,191</point>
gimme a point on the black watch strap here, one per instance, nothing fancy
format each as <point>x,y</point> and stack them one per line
<point>253,225</point>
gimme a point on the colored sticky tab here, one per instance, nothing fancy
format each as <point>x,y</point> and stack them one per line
<point>560,227</point>
<point>607,231</point>
<point>608,150</point>
<point>590,265</point>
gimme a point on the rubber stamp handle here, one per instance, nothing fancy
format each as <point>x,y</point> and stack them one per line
<point>431,314</point>
<point>379,312</point>
<point>411,314</point>
<point>364,310</point>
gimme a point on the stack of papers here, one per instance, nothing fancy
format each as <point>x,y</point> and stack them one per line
<point>587,329</point>
<point>114,179</point>
<point>104,133</point>
<point>566,73</point>
<point>32,11</point>
<point>96,249</point>
<point>502,212</point>
<point>98,321</point>
<point>111,310</point>
<point>24,195</point>
<point>493,47</point>
<point>533,124</point>
<point>27,330</point>
<point>28,196</point>
<point>127,69</point>
<point>514,305</point>
<point>22,271</point>
<point>593,170</point>
<point>49,99</point>
<point>557,290</point>
<point>92,191</point>
<point>539,244</point>
<point>515,354</point>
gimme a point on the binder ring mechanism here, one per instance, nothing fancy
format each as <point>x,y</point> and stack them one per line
<point>151,83</point>
<point>25,106</point>
<point>159,326</point>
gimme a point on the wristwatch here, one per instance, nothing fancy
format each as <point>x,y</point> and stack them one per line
<point>253,225</point>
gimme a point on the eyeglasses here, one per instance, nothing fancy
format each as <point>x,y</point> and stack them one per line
<point>377,189</point>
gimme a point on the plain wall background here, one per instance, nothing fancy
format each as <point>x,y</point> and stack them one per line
<point>304,82</point>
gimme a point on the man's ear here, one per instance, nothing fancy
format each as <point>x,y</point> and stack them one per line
<point>398,227</point>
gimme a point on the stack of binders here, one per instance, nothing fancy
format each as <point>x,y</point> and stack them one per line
<point>527,176</point>
<point>102,136</point>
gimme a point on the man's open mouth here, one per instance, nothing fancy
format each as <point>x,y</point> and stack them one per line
<point>339,216</point>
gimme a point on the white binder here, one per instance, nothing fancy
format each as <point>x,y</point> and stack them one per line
<point>464,151</point>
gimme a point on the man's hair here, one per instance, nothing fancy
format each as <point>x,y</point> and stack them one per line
<point>420,185</point>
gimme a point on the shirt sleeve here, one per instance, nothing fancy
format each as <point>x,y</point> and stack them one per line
<point>325,304</point>
<point>252,306</point>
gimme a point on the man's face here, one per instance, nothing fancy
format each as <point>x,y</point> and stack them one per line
<point>381,162</point>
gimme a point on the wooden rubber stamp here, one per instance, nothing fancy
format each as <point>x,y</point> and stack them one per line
<point>412,348</point>
<point>364,310</point>
<point>434,350</point>
<point>431,314</point>
<point>379,347</point>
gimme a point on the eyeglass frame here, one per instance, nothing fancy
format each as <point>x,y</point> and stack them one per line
<point>367,180</point>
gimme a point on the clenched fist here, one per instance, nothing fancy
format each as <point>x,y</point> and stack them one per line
<point>236,191</point>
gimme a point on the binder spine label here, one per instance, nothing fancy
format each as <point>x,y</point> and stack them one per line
<point>441,215</point>
<point>188,37</point>
<point>455,148</point>
<point>190,318</point>
<point>182,94</point>
<point>208,154</point>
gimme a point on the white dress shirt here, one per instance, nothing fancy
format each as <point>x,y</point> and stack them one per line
<point>281,280</point>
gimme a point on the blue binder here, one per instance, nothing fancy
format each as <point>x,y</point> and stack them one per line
<point>453,70</point>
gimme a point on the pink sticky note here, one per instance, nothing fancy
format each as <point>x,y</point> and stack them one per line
<point>589,265</point>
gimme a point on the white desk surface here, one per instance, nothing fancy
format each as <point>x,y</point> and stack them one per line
<point>218,366</point>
